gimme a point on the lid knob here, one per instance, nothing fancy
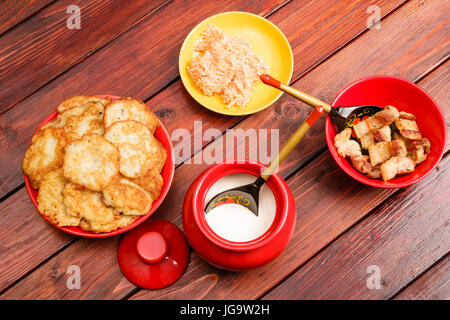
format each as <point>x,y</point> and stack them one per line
<point>153,255</point>
<point>151,247</point>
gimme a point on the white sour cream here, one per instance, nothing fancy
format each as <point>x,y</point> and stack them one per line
<point>234,222</point>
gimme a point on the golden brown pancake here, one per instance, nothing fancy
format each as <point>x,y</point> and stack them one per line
<point>87,204</point>
<point>128,197</point>
<point>139,150</point>
<point>77,101</point>
<point>45,154</point>
<point>51,200</point>
<point>130,109</point>
<point>92,162</point>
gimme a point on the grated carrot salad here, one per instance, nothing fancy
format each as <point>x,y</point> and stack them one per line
<point>225,65</point>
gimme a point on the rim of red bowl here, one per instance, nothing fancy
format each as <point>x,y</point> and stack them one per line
<point>391,184</point>
<point>211,175</point>
<point>169,169</point>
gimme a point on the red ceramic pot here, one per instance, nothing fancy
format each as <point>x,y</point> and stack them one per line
<point>167,173</point>
<point>237,256</point>
<point>405,96</point>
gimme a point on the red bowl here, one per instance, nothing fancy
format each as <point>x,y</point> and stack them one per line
<point>405,96</point>
<point>237,256</point>
<point>167,173</point>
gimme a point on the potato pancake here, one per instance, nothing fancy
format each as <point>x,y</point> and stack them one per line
<point>77,101</point>
<point>139,150</point>
<point>130,109</point>
<point>45,154</point>
<point>92,162</point>
<point>51,200</point>
<point>87,204</point>
<point>128,197</point>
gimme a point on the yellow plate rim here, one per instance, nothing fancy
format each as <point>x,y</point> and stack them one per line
<point>183,47</point>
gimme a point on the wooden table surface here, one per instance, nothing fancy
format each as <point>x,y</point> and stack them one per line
<point>130,48</point>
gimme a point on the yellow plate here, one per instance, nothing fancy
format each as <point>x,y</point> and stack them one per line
<point>268,42</point>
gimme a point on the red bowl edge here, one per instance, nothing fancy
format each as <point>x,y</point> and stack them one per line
<point>360,177</point>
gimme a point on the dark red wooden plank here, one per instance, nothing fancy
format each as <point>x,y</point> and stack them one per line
<point>432,285</point>
<point>25,239</point>
<point>224,284</point>
<point>400,240</point>
<point>153,70</point>
<point>42,47</point>
<point>13,12</point>
<point>438,84</point>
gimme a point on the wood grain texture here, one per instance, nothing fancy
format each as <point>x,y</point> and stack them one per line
<point>151,52</point>
<point>151,70</point>
<point>321,218</point>
<point>438,85</point>
<point>13,12</point>
<point>402,238</point>
<point>42,47</point>
<point>432,285</point>
<point>26,238</point>
<point>202,280</point>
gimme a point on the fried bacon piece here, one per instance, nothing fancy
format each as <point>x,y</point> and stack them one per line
<point>420,150</point>
<point>424,143</point>
<point>380,119</point>
<point>350,148</point>
<point>375,173</point>
<point>382,135</point>
<point>345,146</point>
<point>382,151</point>
<point>395,166</point>
<point>407,126</point>
<point>361,163</point>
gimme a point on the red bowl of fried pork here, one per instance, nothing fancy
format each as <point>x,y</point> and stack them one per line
<point>407,98</point>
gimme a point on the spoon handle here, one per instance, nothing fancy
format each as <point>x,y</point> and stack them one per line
<point>292,142</point>
<point>312,101</point>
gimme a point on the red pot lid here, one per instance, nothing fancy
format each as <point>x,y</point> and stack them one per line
<point>153,255</point>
